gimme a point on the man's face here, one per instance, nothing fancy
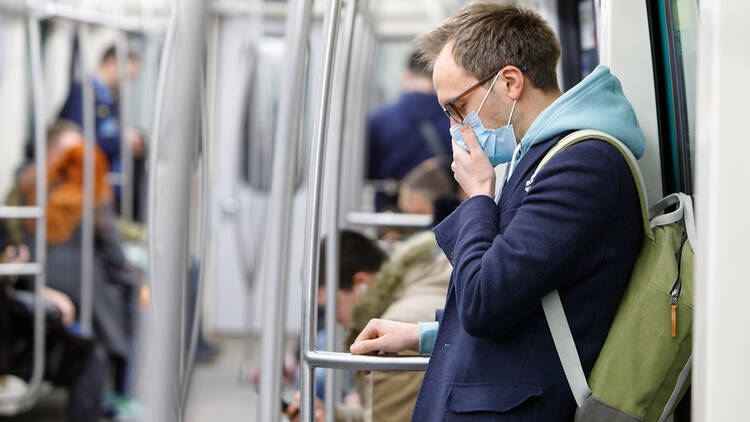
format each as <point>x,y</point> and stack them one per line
<point>451,80</point>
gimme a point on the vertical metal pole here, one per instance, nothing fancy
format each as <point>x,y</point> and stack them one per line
<point>87,223</point>
<point>173,162</point>
<point>334,184</point>
<point>282,190</point>
<point>40,236</point>
<point>206,202</point>
<point>126,150</point>
<point>312,247</point>
<point>370,51</point>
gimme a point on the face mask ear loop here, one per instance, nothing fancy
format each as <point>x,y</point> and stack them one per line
<point>511,112</point>
<point>488,93</point>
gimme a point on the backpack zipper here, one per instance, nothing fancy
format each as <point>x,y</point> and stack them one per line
<point>677,288</point>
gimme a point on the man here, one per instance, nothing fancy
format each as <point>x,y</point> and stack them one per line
<point>404,134</point>
<point>576,230</point>
<point>106,84</point>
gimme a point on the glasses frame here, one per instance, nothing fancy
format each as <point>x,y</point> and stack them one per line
<point>450,108</point>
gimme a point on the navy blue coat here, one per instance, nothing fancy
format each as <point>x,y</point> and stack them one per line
<point>577,230</point>
<point>107,118</point>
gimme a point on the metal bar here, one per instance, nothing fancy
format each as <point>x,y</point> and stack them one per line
<point>206,203</point>
<point>388,219</point>
<point>161,82</point>
<point>366,362</point>
<point>21,212</point>
<point>282,190</point>
<point>172,163</point>
<point>33,268</point>
<point>40,235</point>
<point>312,247</point>
<point>334,184</point>
<point>122,52</point>
<point>87,222</point>
<point>50,9</point>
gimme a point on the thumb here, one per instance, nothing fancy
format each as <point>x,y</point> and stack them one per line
<point>470,139</point>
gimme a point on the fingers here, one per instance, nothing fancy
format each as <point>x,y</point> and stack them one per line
<point>369,332</point>
<point>470,139</point>
<point>23,254</point>
<point>368,346</point>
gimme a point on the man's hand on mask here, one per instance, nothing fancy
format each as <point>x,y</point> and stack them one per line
<point>472,169</point>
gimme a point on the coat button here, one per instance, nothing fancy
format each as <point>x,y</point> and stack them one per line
<point>451,255</point>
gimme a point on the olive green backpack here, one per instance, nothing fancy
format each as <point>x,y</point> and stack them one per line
<point>643,369</point>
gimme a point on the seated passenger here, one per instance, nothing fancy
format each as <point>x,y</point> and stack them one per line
<point>408,287</point>
<point>70,361</point>
<point>114,281</point>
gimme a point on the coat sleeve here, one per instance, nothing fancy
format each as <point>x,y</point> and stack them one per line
<point>500,279</point>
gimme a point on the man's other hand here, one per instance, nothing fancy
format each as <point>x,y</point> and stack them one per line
<point>472,169</point>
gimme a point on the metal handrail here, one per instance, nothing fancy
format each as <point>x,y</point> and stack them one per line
<point>334,184</point>
<point>282,190</point>
<point>11,405</point>
<point>45,9</point>
<point>312,241</point>
<point>366,362</point>
<point>388,219</point>
<point>204,240</point>
<point>87,221</point>
<point>180,95</point>
<point>33,268</point>
<point>21,212</point>
<point>127,175</point>
<point>310,358</point>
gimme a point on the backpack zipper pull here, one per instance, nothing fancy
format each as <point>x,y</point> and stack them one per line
<point>675,296</point>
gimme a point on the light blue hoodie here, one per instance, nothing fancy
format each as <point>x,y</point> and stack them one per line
<point>597,102</point>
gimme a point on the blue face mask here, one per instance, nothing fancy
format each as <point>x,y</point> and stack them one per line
<point>498,144</point>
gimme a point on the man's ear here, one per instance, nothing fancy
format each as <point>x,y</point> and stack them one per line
<point>363,278</point>
<point>512,81</point>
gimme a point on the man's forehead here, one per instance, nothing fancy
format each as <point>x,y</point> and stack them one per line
<point>448,77</point>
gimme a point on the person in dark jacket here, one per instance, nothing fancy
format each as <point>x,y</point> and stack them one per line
<point>402,135</point>
<point>577,229</point>
<point>105,81</point>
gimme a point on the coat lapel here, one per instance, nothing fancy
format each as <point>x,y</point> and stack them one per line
<point>525,166</point>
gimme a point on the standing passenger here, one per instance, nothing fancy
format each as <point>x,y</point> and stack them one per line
<point>576,230</point>
<point>106,83</point>
<point>404,134</point>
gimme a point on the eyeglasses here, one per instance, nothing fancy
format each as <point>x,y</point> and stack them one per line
<point>450,108</point>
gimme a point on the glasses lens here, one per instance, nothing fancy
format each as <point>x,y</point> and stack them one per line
<point>452,113</point>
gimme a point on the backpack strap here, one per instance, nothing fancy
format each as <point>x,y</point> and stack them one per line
<point>586,134</point>
<point>551,303</point>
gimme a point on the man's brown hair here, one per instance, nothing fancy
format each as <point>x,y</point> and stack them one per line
<point>489,36</point>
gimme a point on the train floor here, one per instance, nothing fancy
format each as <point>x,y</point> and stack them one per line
<point>221,390</point>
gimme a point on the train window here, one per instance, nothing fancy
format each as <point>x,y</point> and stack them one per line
<point>674,46</point>
<point>577,33</point>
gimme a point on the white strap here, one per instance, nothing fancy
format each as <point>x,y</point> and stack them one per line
<point>566,346</point>
<point>684,212</point>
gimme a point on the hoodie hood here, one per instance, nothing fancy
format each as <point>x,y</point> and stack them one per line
<point>597,102</point>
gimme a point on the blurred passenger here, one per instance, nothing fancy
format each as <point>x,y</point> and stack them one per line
<point>114,280</point>
<point>70,360</point>
<point>404,134</point>
<point>409,286</point>
<point>106,84</point>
